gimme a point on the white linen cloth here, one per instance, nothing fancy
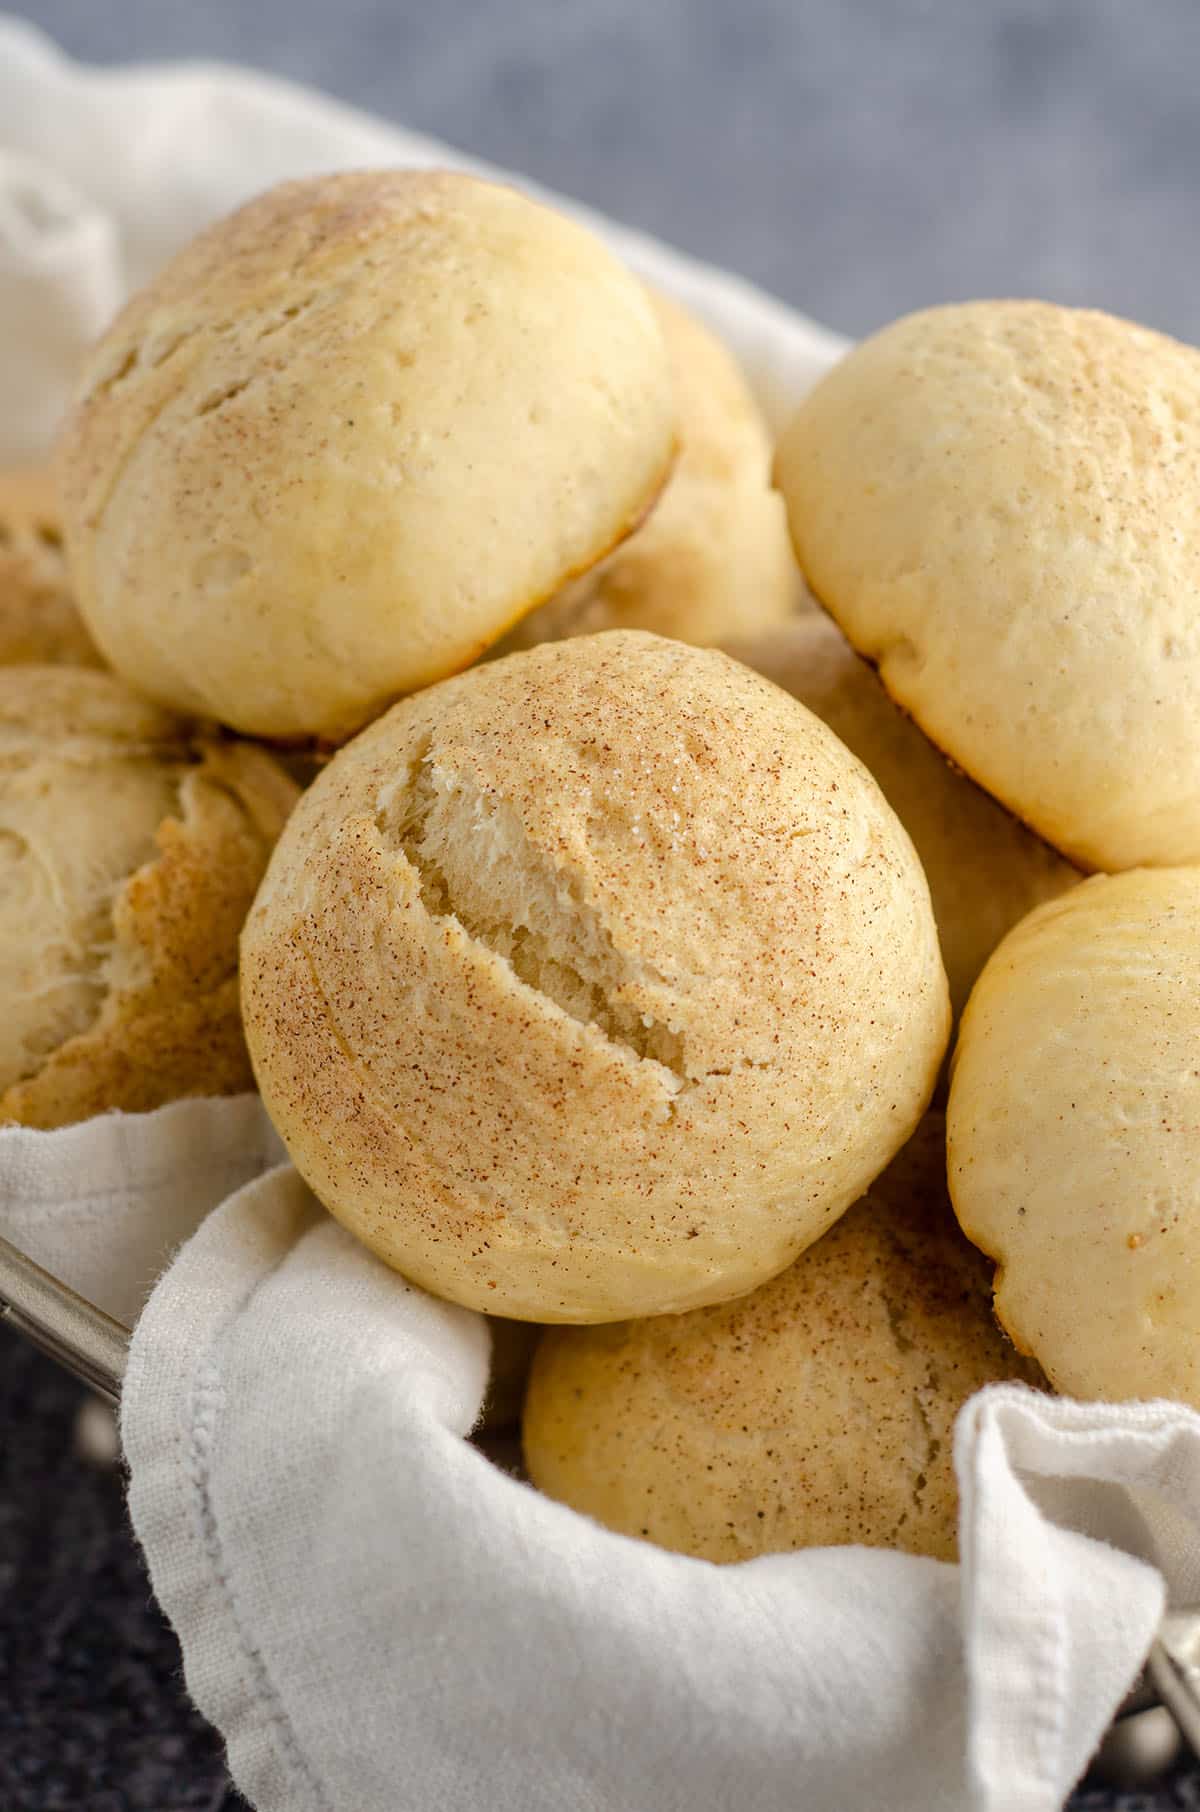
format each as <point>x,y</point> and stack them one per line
<point>375,1616</point>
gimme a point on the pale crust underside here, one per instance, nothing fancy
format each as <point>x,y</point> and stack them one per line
<point>1074,1092</point>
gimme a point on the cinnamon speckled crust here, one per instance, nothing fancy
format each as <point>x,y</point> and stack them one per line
<point>999,502</point>
<point>713,559</point>
<point>348,436</point>
<point>985,870</point>
<point>597,981</point>
<point>819,1410</point>
<point>129,856</point>
<point>1073,1116</point>
<point>39,622</point>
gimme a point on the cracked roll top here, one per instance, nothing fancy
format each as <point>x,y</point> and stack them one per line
<point>1074,1104</point>
<point>999,503</point>
<point>129,856</point>
<point>594,982</point>
<point>819,1410</point>
<point>350,435</point>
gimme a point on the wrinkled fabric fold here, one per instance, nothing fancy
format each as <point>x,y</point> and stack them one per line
<point>104,1205</point>
<point>366,1601</point>
<point>407,1619</point>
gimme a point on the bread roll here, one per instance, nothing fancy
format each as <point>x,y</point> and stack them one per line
<point>128,859</point>
<point>1074,1099</point>
<point>713,558</point>
<point>999,502</point>
<point>985,870</point>
<point>38,620</point>
<point>818,1410</point>
<point>595,982</point>
<point>348,436</point>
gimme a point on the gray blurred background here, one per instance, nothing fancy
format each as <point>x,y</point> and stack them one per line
<point>857,157</point>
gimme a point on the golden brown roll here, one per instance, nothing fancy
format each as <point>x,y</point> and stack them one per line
<point>1074,1104</point>
<point>129,856</point>
<point>985,870</point>
<point>713,559</point>
<point>999,502</point>
<point>348,436</point>
<point>39,622</point>
<point>819,1410</point>
<point>597,981</point>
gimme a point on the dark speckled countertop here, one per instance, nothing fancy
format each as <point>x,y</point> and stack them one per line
<point>858,157</point>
